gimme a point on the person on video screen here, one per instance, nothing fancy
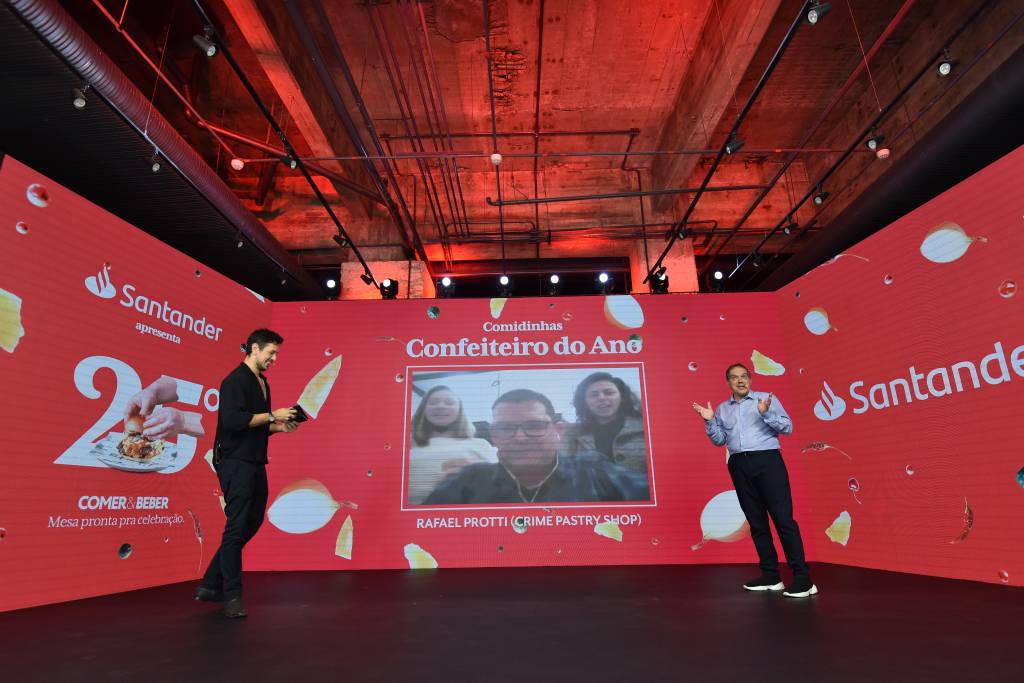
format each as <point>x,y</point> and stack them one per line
<point>531,466</point>
<point>442,443</point>
<point>608,421</point>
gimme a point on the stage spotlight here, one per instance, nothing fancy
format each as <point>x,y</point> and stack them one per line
<point>78,98</point>
<point>659,283</point>
<point>504,286</point>
<point>205,45</point>
<point>874,142</point>
<point>946,65</point>
<point>389,289</point>
<point>604,283</point>
<point>553,285</point>
<point>817,11</point>
<point>237,164</point>
<point>289,162</point>
<point>789,227</point>
<point>445,287</point>
<point>154,162</point>
<point>820,198</point>
<point>717,281</point>
<point>342,242</point>
<point>367,278</point>
<point>734,145</point>
<point>331,283</point>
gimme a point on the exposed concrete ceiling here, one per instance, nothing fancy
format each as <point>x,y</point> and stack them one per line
<point>568,88</point>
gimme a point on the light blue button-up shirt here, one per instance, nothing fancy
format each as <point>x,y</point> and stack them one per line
<point>740,427</point>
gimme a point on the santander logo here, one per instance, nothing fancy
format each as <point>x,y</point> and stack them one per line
<point>100,284</point>
<point>830,406</point>
<point>1000,366</point>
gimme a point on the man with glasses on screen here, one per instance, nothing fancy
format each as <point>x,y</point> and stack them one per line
<point>531,467</point>
<point>749,424</point>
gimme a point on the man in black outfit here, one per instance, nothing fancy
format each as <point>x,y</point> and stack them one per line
<point>244,424</point>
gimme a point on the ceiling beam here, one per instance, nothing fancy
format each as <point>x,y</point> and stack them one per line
<point>732,33</point>
<point>287,66</point>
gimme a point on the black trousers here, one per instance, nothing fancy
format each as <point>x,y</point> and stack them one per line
<point>762,485</point>
<point>245,493</point>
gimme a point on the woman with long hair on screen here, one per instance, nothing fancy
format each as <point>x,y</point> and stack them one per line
<point>443,442</point>
<point>608,422</point>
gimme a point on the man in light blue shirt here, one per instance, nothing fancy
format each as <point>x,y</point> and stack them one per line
<point>749,424</point>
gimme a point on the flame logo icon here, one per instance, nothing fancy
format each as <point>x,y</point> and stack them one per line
<point>830,407</point>
<point>100,284</point>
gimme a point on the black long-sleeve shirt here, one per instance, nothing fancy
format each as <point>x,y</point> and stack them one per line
<point>240,398</point>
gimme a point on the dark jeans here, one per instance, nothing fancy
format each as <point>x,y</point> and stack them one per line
<point>245,491</point>
<point>762,485</point>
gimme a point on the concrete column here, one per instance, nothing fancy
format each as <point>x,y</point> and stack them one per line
<point>414,281</point>
<point>682,268</point>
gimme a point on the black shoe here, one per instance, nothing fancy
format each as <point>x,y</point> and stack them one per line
<point>800,588</point>
<point>764,583</point>
<point>233,609</point>
<point>204,594</point>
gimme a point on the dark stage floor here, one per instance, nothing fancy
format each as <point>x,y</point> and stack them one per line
<point>540,624</point>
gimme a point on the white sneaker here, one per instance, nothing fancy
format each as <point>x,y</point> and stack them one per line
<point>763,583</point>
<point>800,588</point>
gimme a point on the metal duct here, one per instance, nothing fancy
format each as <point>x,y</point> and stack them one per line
<point>70,41</point>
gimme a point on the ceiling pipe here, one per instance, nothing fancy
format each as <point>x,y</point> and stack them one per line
<point>417,242</point>
<point>278,152</point>
<point>626,232</point>
<point>316,57</point>
<point>640,188</point>
<point>622,195</point>
<point>401,95</point>
<point>533,133</point>
<point>629,232</point>
<point>443,122</point>
<point>69,40</point>
<point>814,127</point>
<point>951,151</point>
<point>747,152</point>
<point>409,122</point>
<point>494,119</point>
<point>762,81</point>
<point>415,67</point>
<point>536,121</point>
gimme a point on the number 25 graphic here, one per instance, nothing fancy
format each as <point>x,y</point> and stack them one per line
<point>128,385</point>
